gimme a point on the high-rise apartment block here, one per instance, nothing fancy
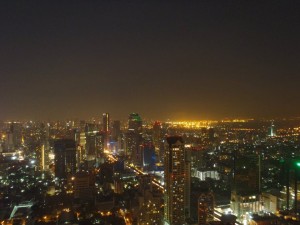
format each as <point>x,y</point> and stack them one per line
<point>176,208</point>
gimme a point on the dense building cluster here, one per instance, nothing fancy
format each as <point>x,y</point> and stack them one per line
<point>105,171</point>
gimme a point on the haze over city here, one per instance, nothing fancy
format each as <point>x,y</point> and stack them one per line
<point>163,59</point>
<point>149,112</point>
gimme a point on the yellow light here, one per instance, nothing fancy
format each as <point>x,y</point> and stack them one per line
<point>66,210</point>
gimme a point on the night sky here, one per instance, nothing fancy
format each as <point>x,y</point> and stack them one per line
<point>188,60</point>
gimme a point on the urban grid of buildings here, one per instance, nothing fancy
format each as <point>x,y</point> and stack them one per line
<point>104,171</point>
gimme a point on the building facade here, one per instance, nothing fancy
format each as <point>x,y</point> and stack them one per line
<point>176,207</point>
<point>65,157</point>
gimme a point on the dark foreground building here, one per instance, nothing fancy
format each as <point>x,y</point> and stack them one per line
<point>65,157</point>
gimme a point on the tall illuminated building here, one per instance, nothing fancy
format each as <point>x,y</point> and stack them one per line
<point>177,189</point>
<point>246,184</point>
<point>272,130</point>
<point>14,136</point>
<point>42,158</point>
<point>133,137</point>
<point>105,122</point>
<point>158,140</point>
<point>93,142</point>
<point>135,122</point>
<point>105,129</point>
<point>90,141</point>
<point>65,157</point>
<point>133,141</point>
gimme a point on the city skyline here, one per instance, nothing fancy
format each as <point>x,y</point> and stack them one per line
<point>164,60</point>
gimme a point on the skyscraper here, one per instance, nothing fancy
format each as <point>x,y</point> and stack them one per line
<point>65,157</point>
<point>116,130</point>
<point>105,129</point>
<point>93,141</point>
<point>133,136</point>
<point>14,136</point>
<point>105,122</point>
<point>147,155</point>
<point>176,178</point>
<point>272,130</point>
<point>158,140</point>
<point>245,191</point>
<point>135,122</point>
<point>133,141</point>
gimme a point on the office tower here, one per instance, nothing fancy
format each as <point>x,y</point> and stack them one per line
<point>9,143</point>
<point>90,146</point>
<point>105,129</point>
<point>272,130</point>
<point>187,186</point>
<point>47,144</point>
<point>16,129</point>
<point>115,142</point>
<point>94,145</point>
<point>116,130</point>
<point>246,185</point>
<point>65,157</point>
<point>94,142</point>
<point>105,122</point>
<point>135,123</point>
<point>133,137</point>
<point>158,140</point>
<point>206,206</point>
<point>133,141</point>
<point>147,155</point>
<point>176,191</point>
<point>42,159</point>
<point>14,136</point>
<point>81,146</point>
